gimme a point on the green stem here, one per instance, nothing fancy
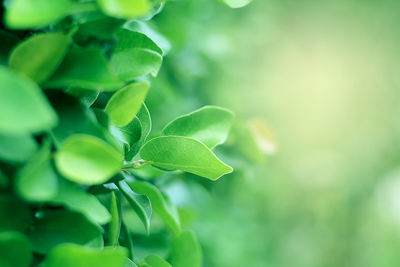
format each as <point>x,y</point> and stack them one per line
<point>137,164</point>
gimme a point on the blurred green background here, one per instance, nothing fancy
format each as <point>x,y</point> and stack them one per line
<point>324,75</point>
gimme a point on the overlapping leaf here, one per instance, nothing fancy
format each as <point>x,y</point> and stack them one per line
<point>210,125</point>
<point>38,56</point>
<point>185,154</point>
<point>159,204</point>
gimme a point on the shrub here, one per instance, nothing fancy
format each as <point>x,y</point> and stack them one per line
<point>78,155</point>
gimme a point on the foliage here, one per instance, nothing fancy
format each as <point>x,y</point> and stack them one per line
<point>79,161</point>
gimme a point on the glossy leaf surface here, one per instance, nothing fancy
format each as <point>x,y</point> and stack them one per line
<point>125,8</point>
<point>87,159</point>
<point>25,14</point>
<point>126,103</point>
<point>40,55</point>
<point>210,125</point>
<point>185,154</point>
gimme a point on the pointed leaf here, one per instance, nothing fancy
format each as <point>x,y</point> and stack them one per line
<point>126,102</point>
<point>67,255</point>
<point>87,159</point>
<point>25,14</point>
<point>145,122</point>
<point>23,107</point>
<point>185,154</point>
<point>139,203</point>
<point>38,56</point>
<point>167,212</point>
<point>210,125</point>
<point>85,68</point>
<point>15,250</point>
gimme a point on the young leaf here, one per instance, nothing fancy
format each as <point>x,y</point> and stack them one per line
<point>115,223</point>
<point>126,102</point>
<point>25,14</point>
<point>139,203</point>
<point>186,251</point>
<point>17,148</point>
<point>85,68</point>
<point>135,55</point>
<point>125,9</point>
<point>154,261</point>
<point>236,3</point>
<point>185,154</point>
<point>15,250</point>
<point>67,255</point>
<point>160,40</point>
<point>37,180</point>
<point>145,122</point>
<point>87,159</point>
<point>210,125</point>
<point>167,213</point>
<point>66,227</point>
<point>38,56</point>
<point>23,107</point>
<point>75,199</point>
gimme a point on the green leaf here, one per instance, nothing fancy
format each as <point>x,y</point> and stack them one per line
<point>24,14</point>
<point>210,125</point>
<point>38,56</point>
<point>87,97</point>
<point>145,127</point>
<point>37,180</point>
<point>236,3</point>
<point>185,154</point>
<point>3,180</point>
<point>154,261</point>
<point>126,102</point>
<point>126,9</point>
<point>140,26</point>
<point>115,223</point>
<point>135,55</point>
<point>68,255</point>
<point>15,250</point>
<point>167,212</point>
<point>186,251</point>
<point>8,41</point>
<point>15,214</point>
<point>139,203</point>
<point>66,227</point>
<point>75,118</point>
<point>17,148</point>
<point>87,159</point>
<point>75,199</point>
<point>23,107</point>
<point>85,68</point>
<point>130,263</point>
